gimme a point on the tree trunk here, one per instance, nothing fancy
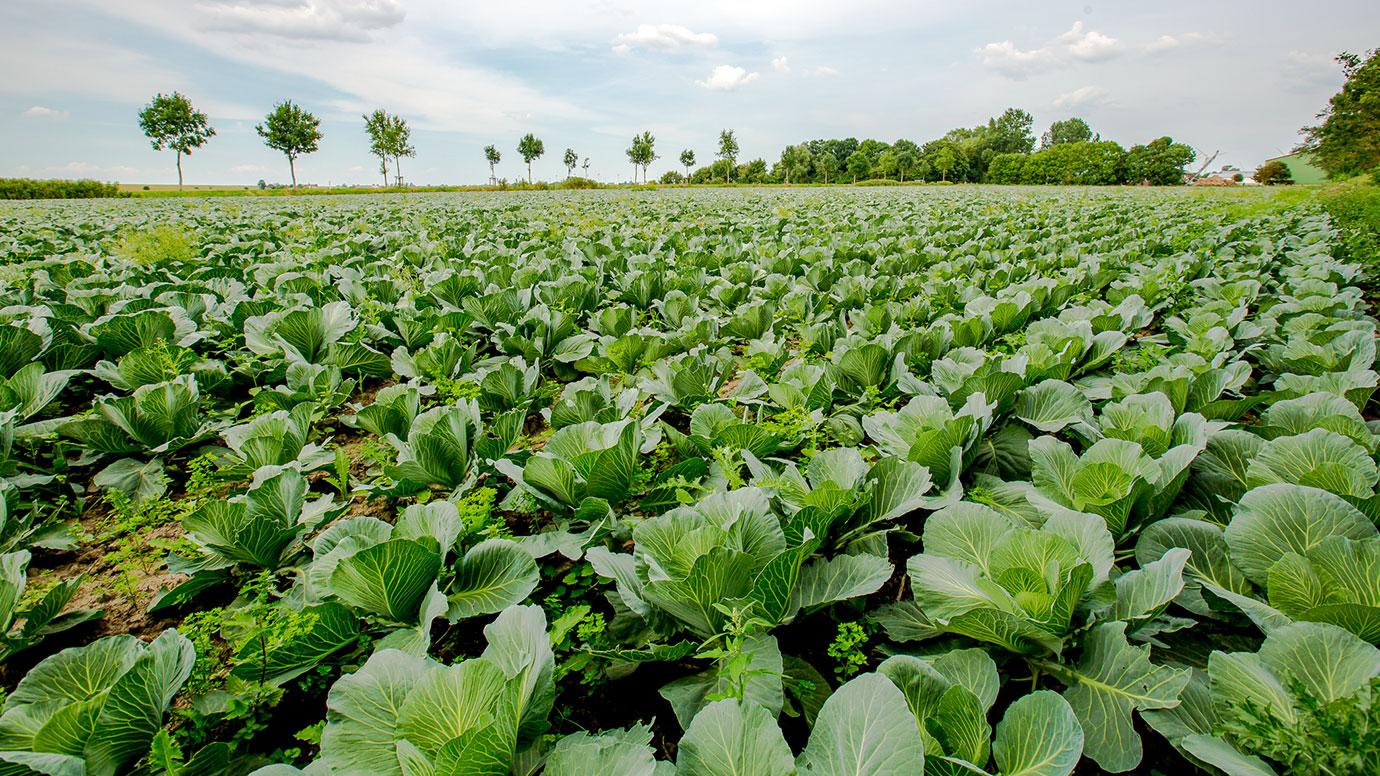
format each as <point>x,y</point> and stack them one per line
<point>179,170</point>
<point>292,168</point>
<point>529,173</point>
<point>493,181</point>
<point>397,171</point>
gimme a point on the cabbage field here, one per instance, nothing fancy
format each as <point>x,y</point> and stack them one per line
<point>863,481</point>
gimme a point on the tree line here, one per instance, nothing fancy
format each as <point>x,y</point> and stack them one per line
<point>1002,150</point>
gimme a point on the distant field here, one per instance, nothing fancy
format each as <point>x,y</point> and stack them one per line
<point>137,187</point>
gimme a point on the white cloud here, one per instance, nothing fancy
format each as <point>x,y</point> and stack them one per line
<point>727,78</point>
<point>1012,62</point>
<point>1082,97</point>
<point>353,20</point>
<point>823,71</point>
<point>41,112</point>
<point>396,66</point>
<point>780,65</point>
<point>1077,44</point>
<point>1090,46</point>
<point>1166,43</point>
<point>663,37</point>
<point>248,168</point>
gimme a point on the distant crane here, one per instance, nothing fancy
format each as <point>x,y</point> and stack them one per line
<point>1206,164</point>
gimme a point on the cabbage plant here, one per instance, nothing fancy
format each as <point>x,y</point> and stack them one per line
<point>95,709</point>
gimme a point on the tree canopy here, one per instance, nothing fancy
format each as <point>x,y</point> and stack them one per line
<point>530,147</point>
<point>170,121</point>
<point>1071,130</point>
<point>390,137</point>
<point>291,130</point>
<point>1347,142</point>
<point>1159,162</point>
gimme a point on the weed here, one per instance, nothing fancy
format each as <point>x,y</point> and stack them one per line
<point>162,244</point>
<point>1323,738</point>
<point>848,649</point>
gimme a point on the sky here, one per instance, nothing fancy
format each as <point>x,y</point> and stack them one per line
<point>1221,75</point>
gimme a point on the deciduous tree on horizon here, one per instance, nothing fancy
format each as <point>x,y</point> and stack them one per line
<point>170,121</point>
<point>530,147</point>
<point>728,151</point>
<point>293,131</point>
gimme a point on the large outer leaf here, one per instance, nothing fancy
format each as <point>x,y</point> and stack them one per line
<point>77,673</point>
<point>1052,405</point>
<point>388,579</point>
<point>1039,736</point>
<point>1209,557</point>
<point>966,531</point>
<point>1320,459</point>
<point>622,752</point>
<point>1275,519</point>
<point>1329,662</point>
<point>362,713</point>
<point>1112,680</point>
<point>133,711</point>
<point>839,578</point>
<point>493,575</point>
<point>864,729</point>
<point>728,739</point>
<point>519,645</point>
<point>1144,593</point>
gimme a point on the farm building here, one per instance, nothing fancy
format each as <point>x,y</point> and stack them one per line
<point>1301,168</point>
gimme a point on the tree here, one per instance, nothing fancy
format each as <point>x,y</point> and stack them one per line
<point>530,147</point>
<point>389,138</point>
<point>1006,168</point>
<point>728,151</point>
<point>1010,132</point>
<point>570,159</point>
<point>754,171</point>
<point>170,121</point>
<point>291,130</point>
<point>1072,130</point>
<point>1347,142</point>
<point>399,138</point>
<point>376,125</point>
<point>858,164</point>
<point>585,166</point>
<point>905,157</point>
<point>1159,162</point>
<point>827,164</point>
<point>493,157</point>
<point>642,153</point>
<point>687,160</point>
<point>1273,173</point>
<point>1099,163</point>
<point>944,161</point>
<point>795,162</point>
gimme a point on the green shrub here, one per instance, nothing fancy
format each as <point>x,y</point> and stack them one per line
<point>29,188</point>
<point>577,182</point>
